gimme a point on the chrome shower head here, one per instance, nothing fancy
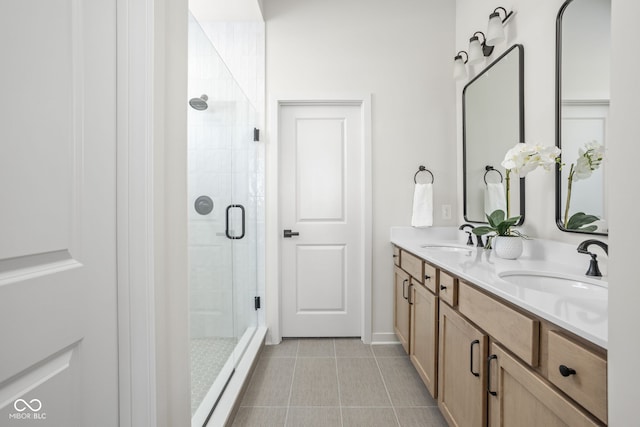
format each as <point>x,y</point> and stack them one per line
<point>199,104</point>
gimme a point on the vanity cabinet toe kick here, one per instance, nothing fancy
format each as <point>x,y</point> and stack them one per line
<point>490,362</point>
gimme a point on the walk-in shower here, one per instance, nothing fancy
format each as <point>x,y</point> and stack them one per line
<point>223,197</point>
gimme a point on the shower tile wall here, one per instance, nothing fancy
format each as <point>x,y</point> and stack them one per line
<point>209,250</point>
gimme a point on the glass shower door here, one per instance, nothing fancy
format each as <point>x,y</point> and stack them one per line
<point>222,222</point>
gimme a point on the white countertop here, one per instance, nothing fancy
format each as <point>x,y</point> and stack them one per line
<point>581,312</point>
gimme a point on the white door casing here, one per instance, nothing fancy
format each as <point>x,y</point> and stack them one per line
<point>323,194</point>
<point>58,299</point>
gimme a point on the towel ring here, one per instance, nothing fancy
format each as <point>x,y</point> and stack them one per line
<point>491,169</point>
<point>422,169</point>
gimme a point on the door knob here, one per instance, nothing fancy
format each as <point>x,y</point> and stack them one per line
<point>566,371</point>
<point>288,233</point>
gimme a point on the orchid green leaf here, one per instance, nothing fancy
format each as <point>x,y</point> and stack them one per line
<point>579,220</point>
<point>482,230</point>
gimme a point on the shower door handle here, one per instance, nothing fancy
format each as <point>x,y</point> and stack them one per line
<point>226,231</point>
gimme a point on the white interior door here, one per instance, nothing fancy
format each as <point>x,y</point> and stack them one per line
<point>321,199</point>
<point>58,313</point>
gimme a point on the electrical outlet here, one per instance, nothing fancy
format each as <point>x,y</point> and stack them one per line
<point>446,211</point>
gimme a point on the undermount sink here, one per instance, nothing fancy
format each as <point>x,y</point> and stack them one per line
<point>557,284</point>
<point>448,247</point>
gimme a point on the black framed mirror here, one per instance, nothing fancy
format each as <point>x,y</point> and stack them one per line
<point>583,41</point>
<point>492,123</point>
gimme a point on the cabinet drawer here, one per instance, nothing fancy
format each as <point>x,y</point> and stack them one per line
<point>516,331</point>
<point>448,289</point>
<point>430,277</point>
<point>412,265</point>
<point>519,397</point>
<point>588,386</point>
<point>396,256</point>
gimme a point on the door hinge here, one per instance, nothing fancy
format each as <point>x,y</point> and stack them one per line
<point>256,134</point>
<point>256,302</point>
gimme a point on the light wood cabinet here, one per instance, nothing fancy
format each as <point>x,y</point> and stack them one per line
<point>412,265</point>
<point>448,288</point>
<point>416,315</point>
<point>447,326</point>
<point>461,370</point>
<point>430,278</point>
<point>396,256</point>
<point>424,335</point>
<point>517,331</point>
<point>579,372</point>
<point>401,319</point>
<point>519,397</point>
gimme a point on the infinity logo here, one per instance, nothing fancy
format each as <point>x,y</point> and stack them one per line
<point>21,405</point>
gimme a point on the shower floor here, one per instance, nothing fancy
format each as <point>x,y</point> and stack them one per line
<point>208,356</point>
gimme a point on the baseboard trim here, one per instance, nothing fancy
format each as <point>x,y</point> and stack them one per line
<point>384,338</point>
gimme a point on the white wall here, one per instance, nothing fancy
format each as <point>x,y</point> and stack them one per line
<point>170,216</point>
<point>533,26</point>
<point>624,152</point>
<point>401,53</point>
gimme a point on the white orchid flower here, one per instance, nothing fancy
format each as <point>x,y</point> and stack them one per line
<point>589,159</point>
<point>524,158</point>
<point>548,156</point>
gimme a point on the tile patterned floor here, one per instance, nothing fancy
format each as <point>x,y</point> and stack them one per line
<point>208,356</point>
<point>336,382</point>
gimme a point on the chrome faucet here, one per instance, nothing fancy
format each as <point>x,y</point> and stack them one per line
<point>479,243</point>
<point>593,264</point>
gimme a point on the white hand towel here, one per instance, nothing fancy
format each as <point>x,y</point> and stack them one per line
<point>494,198</point>
<point>422,206</point>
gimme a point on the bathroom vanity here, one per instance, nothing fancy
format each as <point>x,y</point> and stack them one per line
<point>502,342</point>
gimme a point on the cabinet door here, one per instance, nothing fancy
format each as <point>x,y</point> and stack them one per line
<point>401,307</point>
<point>519,397</point>
<point>461,370</point>
<point>586,379</point>
<point>424,335</point>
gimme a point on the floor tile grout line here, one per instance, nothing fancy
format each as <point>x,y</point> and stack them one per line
<point>395,414</point>
<point>335,353</point>
<point>293,376</point>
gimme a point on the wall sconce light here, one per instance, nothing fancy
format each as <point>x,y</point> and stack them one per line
<point>495,30</point>
<point>477,50</point>
<point>459,70</point>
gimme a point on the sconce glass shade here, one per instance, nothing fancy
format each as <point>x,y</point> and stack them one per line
<point>495,30</point>
<point>459,70</point>
<point>475,51</point>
